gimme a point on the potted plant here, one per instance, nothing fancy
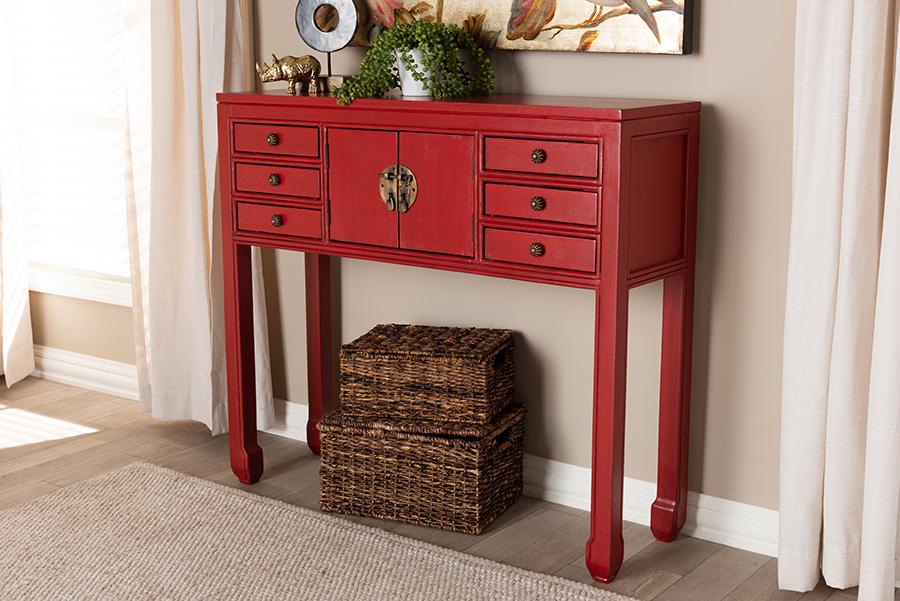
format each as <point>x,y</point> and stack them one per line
<point>424,53</point>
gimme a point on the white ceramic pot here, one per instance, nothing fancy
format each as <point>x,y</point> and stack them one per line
<point>408,85</point>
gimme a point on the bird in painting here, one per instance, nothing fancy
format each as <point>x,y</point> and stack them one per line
<point>529,17</point>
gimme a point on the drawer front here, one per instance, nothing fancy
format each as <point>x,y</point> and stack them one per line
<point>579,159</point>
<point>276,139</point>
<point>275,179</point>
<point>545,204</point>
<point>561,252</point>
<point>306,223</point>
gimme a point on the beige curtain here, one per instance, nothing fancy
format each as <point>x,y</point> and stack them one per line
<point>15,315</point>
<point>840,446</point>
<point>196,49</point>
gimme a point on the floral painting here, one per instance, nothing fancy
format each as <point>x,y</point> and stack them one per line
<point>639,26</point>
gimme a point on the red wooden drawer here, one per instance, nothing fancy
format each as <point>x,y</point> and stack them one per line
<point>561,252</point>
<point>579,159</point>
<point>276,139</point>
<point>276,179</point>
<point>545,204</point>
<point>279,220</point>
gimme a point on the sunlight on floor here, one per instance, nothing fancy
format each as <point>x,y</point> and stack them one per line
<point>18,428</point>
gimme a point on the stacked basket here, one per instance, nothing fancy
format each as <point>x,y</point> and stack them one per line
<point>426,433</point>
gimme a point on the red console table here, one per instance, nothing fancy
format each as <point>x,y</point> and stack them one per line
<point>590,193</point>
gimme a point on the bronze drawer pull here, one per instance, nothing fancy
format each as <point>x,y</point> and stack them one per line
<point>536,249</point>
<point>277,220</point>
<point>538,155</point>
<point>274,179</point>
<point>273,140</point>
<point>538,203</point>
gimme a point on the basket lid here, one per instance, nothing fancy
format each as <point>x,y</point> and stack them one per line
<point>337,421</point>
<point>479,344</point>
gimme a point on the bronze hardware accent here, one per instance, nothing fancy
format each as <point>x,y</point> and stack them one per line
<point>274,179</point>
<point>387,187</point>
<point>273,140</point>
<point>536,249</point>
<point>538,155</point>
<point>408,189</point>
<point>277,220</point>
<point>398,188</point>
<point>538,203</point>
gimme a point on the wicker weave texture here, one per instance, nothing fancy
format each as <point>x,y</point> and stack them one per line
<point>456,376</point>
<point>449,482</point>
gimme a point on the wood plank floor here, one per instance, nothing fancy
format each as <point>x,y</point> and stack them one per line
<point>534,535</point>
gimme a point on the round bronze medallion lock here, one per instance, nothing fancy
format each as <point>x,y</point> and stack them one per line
<point>277,220</point>
<point>538,155</point>
<point>536,249</point>
<point>538,203</point>
<point>273,139</point>
<point>274,179</point>
<point>398,188</point>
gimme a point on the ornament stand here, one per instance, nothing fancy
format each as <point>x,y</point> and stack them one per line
<point>327,41</point>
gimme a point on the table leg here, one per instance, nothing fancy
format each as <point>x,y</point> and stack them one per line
<point>246,455</point>
<point>668,512</point>
<point>605,546</point>
<point>318,343</point>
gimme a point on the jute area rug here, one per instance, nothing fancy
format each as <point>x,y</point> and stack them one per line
<point>146,532</point>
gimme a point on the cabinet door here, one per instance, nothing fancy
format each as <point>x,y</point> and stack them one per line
<point>442,218</point>
<point>356,158</point>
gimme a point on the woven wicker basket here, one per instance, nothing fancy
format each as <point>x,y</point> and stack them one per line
<point>445,481</point>
<point>455,376</point>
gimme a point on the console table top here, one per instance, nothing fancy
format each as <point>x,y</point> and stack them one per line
<point>605,109</point>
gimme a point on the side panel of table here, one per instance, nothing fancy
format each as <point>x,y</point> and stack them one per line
<point>648,233</point>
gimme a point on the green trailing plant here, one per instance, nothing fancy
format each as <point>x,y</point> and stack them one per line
<point>442,70</point>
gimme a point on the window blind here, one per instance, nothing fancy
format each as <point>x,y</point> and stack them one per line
<point>69,140</point>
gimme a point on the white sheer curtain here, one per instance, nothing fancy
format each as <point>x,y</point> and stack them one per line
<point>192,49</point>
<point>15,316</point>
<point>840,449</point>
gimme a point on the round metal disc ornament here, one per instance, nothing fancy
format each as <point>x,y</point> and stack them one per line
<point>326,41</point>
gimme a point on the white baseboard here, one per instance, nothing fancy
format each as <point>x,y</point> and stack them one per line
<point>709,518</point>
<point>291,420</point>
<point>85,371</point>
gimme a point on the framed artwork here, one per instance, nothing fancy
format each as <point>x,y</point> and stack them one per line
<point>629,26</point>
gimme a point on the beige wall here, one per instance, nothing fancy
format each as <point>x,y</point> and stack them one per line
<point>743,74</point>
<point>81,326</point>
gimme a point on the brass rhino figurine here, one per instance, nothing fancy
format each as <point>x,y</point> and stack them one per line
<point>292,69</point>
